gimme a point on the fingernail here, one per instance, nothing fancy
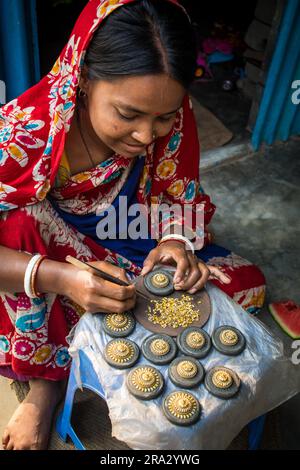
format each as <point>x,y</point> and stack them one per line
<point>192,291</point>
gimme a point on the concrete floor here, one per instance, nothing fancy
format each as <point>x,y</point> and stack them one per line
<point>221,103</point>
<point>258,201</point>
<point>259,196</point>
<point>257,216</point>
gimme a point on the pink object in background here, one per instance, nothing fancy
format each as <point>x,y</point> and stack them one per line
<point>211,45</point>
<point>203,67</point>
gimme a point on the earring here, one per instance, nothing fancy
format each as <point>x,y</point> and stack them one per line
<point>81,93</point>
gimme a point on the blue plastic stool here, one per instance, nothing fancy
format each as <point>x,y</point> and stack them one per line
<point>90,381</point>
<point>256,429</point>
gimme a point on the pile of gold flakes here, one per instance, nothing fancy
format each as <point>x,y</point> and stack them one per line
<point>173,312</point>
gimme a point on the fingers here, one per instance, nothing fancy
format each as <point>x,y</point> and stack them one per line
<point>9,446</point>
<point>187,272</point>
<point>168,253</point>
<point>111,269</point>
<point>216,273</point>
<point>103,286</point>
<point>183,267</point>
<point>193,274</point>
<point>111,290</point>
<point>5,439</point>
<point>108,305</point>
<point>150,262</point>
<point>202,280</point>
<point>104,296</point>
<point>94,294</point>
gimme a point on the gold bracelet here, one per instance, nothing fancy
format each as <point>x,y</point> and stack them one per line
<point>33,276</point>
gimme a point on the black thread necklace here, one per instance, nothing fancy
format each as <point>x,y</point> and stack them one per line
<point>83,139</point>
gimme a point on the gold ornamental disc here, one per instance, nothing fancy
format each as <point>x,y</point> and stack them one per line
<point>229,338</point>
<point>195,340</point>
<point>182,405</point>
<point>120,351</point>
<point>187,369</point>
<point>117,321</point>
<point>160,347</point>
<point>145,379</point>
<point>222,379</point>
<point>160,280</point>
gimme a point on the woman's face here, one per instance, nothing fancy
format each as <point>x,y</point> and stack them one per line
<point>129,111</point>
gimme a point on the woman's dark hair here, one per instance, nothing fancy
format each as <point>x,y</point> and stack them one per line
<point>147,37</point>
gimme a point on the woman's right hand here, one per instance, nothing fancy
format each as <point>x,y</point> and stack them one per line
<point>95,294</point>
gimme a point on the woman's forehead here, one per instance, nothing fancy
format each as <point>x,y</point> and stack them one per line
<point>157,94</point>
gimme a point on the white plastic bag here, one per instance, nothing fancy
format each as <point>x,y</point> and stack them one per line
<point>268,379</point>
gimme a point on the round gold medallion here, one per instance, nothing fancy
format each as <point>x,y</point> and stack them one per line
<point>145,382</point>
<point>222,382</point>
<point>160,347</point>
<point>186,372</point>
<point>160,280</point>
<point>195,340</point>
<point>117,321</point>
<point>182,408</point>
<point>118,325</point>
<point>182,405</point>
<point>121,353</point>
<point>145,379</point>
<point>187,369</point>
<point>229,338</point>
<point>222,379</point>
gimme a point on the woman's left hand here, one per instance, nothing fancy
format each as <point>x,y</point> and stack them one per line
<point>191,273</point>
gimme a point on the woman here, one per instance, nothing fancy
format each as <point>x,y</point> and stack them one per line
<point>112,119</point>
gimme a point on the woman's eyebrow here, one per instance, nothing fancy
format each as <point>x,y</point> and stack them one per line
<point>127,107</point>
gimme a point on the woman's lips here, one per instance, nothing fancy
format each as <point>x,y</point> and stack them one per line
<point>135,148</point>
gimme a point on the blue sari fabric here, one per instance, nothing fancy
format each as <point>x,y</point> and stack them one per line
<point>134,250</point>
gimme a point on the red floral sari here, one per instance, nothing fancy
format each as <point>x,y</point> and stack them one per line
<point>33,129</point>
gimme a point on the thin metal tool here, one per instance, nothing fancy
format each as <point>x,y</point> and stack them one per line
<point>108,277</point>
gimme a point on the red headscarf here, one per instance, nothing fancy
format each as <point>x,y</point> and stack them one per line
<point>33,129</point>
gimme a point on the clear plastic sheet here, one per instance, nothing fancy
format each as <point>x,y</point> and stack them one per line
<point>268,379</point>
